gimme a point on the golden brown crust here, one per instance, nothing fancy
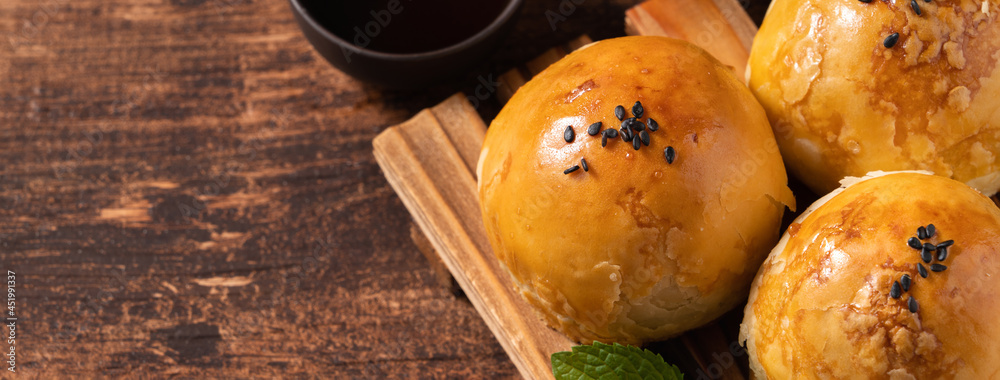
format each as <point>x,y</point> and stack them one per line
<point>820,306</point>
<point>842,104</point>
<point>636,249</point>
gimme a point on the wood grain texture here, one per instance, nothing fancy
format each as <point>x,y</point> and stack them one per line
<point>188,190</point>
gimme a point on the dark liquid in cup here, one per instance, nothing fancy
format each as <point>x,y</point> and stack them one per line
<point>404,26</point>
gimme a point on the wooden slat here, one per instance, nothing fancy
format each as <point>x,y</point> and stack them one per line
<point>721,27</point>
<point>441,272</point>
<point>463,127</point>
<point>710,349</point>
<point>423,161</point>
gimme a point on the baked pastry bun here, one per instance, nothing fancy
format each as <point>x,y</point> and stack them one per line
<point>842,103</point>
<point>846,295</point>
<point>651,236</point>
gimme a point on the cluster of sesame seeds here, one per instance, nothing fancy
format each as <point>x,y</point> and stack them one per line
<point>927,255</point>
<point>632,131</point>
<point>891,39</point>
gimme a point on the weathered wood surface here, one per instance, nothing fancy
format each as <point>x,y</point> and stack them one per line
<point>187,189</point>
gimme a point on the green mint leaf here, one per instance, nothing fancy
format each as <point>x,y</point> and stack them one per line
<point>612,362</point>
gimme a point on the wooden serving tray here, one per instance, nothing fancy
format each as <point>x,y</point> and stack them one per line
<point>430,161</point>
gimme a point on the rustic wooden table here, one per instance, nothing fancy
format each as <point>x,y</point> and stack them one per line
<point>187,189</point>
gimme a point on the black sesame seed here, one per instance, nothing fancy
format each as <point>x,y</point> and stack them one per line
<point>594,129</point>
<point>922,233</point>
<point>927,1</point>
<point>568,134</point>
<point>604,141</point>
<point>670,154</point>
<point>636,142</point>
<point>638,125</point>
<point>626,134</point>
<point>925,255</point>
<point>912,304</point>
<point>895,292</point>
<point>611,133</point>
<point>914,243</point>
<point>620,112</point>
<point>865,1</point>
<point>633,124</point>
<point>921,270</point>
<point>915,6</point>
<point>938,267</point>
<point>942,253</point>
<point>637,109</point>
<point>571,169</point>
<point>653,125</point>
<point>891,40</point>
<point>905,282</point>
<point>946,243</point>
<point>930,230</point>
<point>583,163</point>
<point>644,136</point>
<point>930,247</point>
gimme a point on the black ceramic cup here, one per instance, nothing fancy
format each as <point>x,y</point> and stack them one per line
<point>402,70</point>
